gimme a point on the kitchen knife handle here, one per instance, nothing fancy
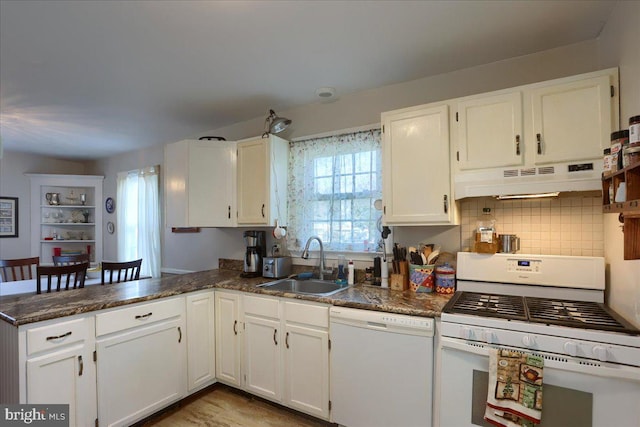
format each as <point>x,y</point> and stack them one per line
<point>539,139</point>
<point>517,145</point>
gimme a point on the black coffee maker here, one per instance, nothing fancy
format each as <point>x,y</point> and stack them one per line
<point>256,251</point>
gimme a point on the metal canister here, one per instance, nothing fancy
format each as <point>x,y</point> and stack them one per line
<point>445,279</point>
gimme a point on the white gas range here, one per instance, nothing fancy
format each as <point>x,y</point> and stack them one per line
<point>550,306</point>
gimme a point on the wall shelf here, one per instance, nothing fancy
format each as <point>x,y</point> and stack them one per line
<point>628,210</point>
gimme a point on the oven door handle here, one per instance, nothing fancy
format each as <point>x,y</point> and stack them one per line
<point>554,361</point>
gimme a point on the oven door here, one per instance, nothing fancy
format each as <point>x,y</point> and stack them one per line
<point>577,392</point>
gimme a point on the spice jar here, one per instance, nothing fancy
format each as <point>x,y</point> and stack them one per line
<point>606,162</point>
<point>445,279</point>
<point>631,155</point>
<point>619,141</point>
<point>634,130</point>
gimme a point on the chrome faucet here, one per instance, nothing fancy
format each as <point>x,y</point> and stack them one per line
<point>305,255</point>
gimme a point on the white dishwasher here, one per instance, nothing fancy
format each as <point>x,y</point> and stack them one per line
<point>381,369</point>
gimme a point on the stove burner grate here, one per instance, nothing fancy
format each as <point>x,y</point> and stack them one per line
<point>581,314</point>
<point>488,305</point>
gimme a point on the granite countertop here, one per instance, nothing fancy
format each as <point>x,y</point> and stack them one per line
<point>28,308</point>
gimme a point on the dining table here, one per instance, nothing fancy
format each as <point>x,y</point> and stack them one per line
<point>29,286</point>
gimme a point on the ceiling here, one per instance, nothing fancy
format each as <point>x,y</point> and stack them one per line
<point>86,80</point>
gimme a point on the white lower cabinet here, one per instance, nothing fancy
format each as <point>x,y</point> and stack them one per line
<point>141,363</point>
<point>306,357</point>
<point>201,355</point>
<point>60,368</point>
<point>286,353</point>
<point>228,337</point>
<point>262,344</point>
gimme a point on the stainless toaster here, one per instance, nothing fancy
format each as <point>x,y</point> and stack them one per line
<point>276,267</point>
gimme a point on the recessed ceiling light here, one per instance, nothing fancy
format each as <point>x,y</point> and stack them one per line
<point>325,92</point>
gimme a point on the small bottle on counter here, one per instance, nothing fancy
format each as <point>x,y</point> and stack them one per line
<point>351,273</point>
<point>341,279</point>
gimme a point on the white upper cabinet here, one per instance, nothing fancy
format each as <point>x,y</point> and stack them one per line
<point>262,181</point>
<point>572,121</point>
<point>199,182</point>
<point>557,121</point>
<point>416,166</point>
<point>490,131</point>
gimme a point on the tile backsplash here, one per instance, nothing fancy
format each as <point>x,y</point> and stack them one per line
<point>567,225</point>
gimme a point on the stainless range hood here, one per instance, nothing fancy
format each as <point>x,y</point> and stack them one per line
<point>558,177</point>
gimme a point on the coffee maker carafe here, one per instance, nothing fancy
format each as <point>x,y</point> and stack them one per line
<point>256,250</point>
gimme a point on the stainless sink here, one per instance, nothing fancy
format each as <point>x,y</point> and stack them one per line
<point>310,286</point>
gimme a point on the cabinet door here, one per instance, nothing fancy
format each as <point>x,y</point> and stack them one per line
<point>212,184</point>
<point>262,357</point>
<point>307,370</point>
<point>228,328</point>
<point>571,121</point>
<point>140,371</point>
<point>490,131</point>
<point>200,184</point>
<point>201,357</point>
<point>65,376</point>
<point>253,181</point>
<point>416,180</point>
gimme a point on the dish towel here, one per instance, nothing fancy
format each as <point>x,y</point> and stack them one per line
<point>514,397</point>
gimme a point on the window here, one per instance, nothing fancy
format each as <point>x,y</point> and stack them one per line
<point>138,216</point>
<point>334,182</point>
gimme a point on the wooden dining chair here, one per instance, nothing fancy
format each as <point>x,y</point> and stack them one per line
<point>18,269</point>
<point>123,271</point>
<point>70,259</point>
<point>63,277</point>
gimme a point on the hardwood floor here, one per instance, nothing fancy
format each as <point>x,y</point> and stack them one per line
<point>222,406</point>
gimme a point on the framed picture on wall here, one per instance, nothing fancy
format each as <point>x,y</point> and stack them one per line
<point>8,217</point>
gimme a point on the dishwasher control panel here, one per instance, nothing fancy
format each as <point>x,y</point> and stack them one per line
<point>407,321</point>
<point>379,320</point>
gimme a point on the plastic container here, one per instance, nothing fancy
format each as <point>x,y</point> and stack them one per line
<point>350,273</point>
<point>631,155</point>
<point>634,130</point>
<point>445,279</point>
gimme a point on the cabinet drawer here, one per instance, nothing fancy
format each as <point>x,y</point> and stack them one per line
<point>308,314</point>
<point>58,334</point>
<point>138,315</point>
<point>262,306</point>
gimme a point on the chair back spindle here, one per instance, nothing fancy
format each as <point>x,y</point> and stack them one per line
<point>18,269</point>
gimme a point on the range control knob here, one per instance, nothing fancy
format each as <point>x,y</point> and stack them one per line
<point>466,333</point>
<point>601,353</point>
<point>489,337</point>
<point>571,348</point>
<point>528,340</point>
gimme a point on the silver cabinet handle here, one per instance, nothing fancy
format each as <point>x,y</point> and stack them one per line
<point>81,366</point>
<point>275,332</point>
<point>59,336</point>
<point>143,316</point>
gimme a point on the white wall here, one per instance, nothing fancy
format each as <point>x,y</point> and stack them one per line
<point>14,183</point>
<point>619,45</point>
<point>201,250</point>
